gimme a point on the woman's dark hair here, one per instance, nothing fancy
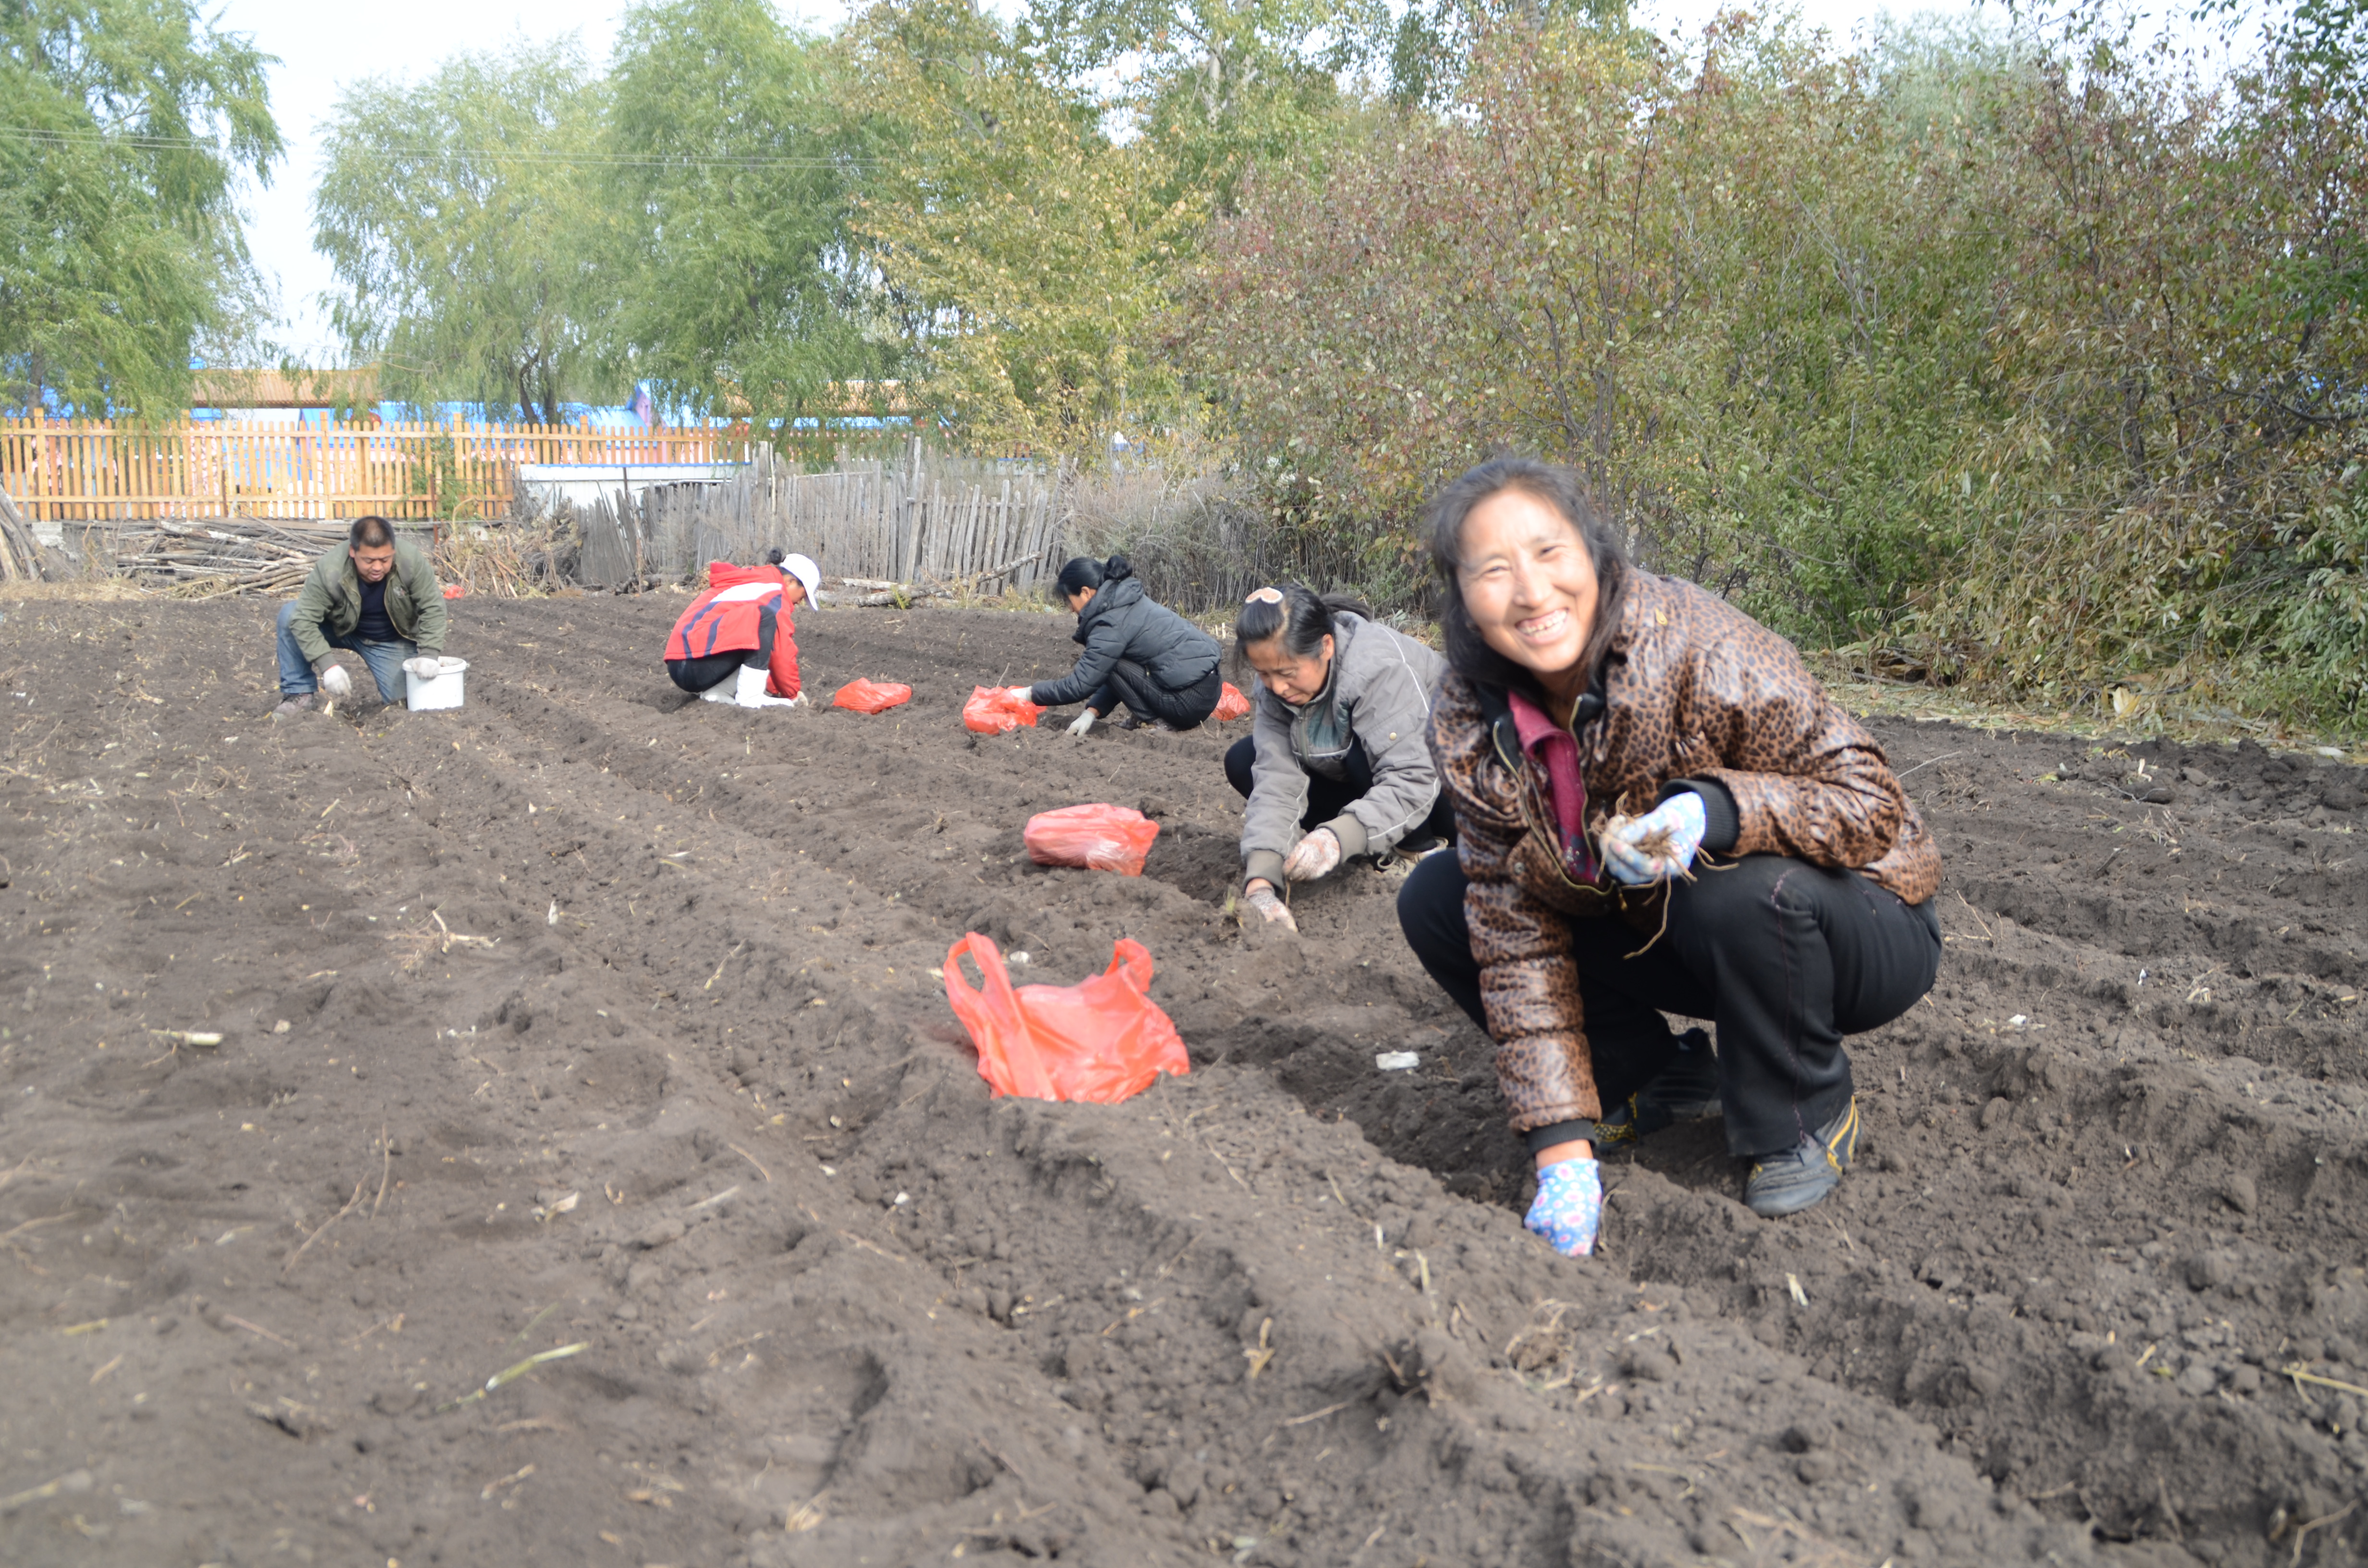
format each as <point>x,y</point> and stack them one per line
<point>1299,615</point>
<point>774,557</point>
<point>1083,572</point>
<point>1559,487</point>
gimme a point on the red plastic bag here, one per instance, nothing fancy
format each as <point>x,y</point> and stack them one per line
<point>456,590</point>
<point>992,711</point>
<point>871,697</point>
<point>1101,1040</point>
<point>1099,838</point>
<point>1231,704</point>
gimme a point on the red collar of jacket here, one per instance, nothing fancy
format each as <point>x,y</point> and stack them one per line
<point>1555,752</point>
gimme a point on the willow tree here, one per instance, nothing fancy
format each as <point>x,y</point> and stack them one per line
<point>735,174</point>
<point>470,226</point>
<point>129,125</point>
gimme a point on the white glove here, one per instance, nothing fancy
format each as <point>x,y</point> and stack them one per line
<point>335,681</point>
<point>1083,723</point>
<point>1313,856</point>
<point>799,700</point>
<point>1019,693</point>
<point>1261,899</point>
<point>426,667</point>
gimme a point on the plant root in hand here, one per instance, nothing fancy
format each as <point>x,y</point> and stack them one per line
<point>1657,845</point>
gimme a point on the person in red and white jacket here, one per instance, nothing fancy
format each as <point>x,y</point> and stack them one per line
<point>735,643</point>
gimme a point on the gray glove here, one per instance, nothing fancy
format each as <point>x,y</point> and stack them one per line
<point>1083,723</point>
<point>1313,855</point>
<point>428,667</point>
<point>335,681</point>
<point>1262,901</point>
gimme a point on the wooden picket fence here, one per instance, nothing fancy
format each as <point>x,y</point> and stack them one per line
<point>91,472</point>
<point>929,520</point>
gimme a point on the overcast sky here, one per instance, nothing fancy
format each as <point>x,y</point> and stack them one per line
<point>322,49</point>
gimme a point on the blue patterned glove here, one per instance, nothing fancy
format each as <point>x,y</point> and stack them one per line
<point>1681,816</point>
<point>1568,1208</point>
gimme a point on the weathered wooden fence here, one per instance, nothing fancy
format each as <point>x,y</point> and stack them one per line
<point>928,520</point>
<point>90,472</point>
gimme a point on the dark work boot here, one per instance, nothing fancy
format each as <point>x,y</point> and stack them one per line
<point>1803,1175</point>
<point>295,705</point>
<point>1686,1090</point>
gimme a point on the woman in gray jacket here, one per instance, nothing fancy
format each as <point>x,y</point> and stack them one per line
<point>1138,652</point>
<point>1336,764</point>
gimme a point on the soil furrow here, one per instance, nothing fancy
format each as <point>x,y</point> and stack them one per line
<point>591,1016</point>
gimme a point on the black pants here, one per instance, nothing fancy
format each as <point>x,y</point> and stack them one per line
<point>1786,958</point>
<point>1327,798</point>
<point>1145,698</point>
<point>714,669</point>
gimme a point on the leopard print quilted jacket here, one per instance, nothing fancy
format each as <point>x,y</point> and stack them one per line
<point>1693,689</point>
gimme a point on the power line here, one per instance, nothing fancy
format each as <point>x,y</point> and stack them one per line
<point>502,156</point>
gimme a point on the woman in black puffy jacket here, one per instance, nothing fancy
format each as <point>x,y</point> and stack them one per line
<point>1138,653</point>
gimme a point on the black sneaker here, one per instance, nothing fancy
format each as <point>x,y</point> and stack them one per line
<point>1686,1090</point>
<point>1803,1175</point>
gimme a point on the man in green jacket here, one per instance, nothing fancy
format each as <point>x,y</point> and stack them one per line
<point>374,597</point>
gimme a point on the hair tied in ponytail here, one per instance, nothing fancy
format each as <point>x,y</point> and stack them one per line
<point>1117,569</point>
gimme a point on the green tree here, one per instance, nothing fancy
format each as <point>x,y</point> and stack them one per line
<point>736,174</point>
<point>470,224</point>
<point>2038,367</point>
<point>1434,42</point>
<point>1706,283</point>
<point>1029,257</point>
<point>128,123</point>
<point>1218,84</point>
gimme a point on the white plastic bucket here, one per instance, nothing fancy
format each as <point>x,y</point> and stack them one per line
<point>440,690</point>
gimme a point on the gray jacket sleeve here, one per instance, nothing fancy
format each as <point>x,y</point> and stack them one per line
<point>1105,645</point>
<point>1278,793</point>
<point>1392,718</point>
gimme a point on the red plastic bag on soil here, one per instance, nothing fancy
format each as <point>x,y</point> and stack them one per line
<point>1101,1040</point>
<point>1231,704</point>
<point>456,590</point>
<point>871,697</point>
<point>1099,838</point>
<point>992,711</point>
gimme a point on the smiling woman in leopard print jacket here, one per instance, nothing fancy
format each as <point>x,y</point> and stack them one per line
<point>1769,872</point>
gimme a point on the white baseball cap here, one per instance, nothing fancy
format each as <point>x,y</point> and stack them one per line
<point>808,574</point>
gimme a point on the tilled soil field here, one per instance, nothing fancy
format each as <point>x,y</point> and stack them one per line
<point>589,1019</point>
